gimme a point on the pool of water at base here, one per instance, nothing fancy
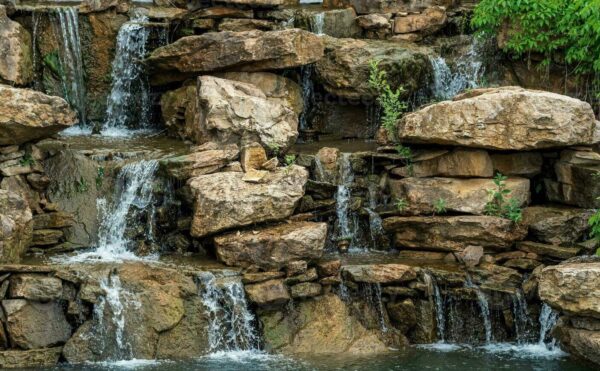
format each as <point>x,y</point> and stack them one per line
<point>500,357</point>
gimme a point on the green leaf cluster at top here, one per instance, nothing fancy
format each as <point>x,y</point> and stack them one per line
<point>499,204</point>
<point>388,99</point>
<point>566,30</point>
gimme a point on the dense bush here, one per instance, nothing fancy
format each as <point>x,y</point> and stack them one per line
<point>566,30</point>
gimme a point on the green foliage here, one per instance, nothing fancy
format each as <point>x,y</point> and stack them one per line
<point>81,185</point>
<point>52,61</point>
<point>594,222</point>
<point>566,30</point>
<point>387,98</point>
<point>99,177</point>
<point>27,160</point>
<point>274,149</point>
<point>290,160</point>
<point>401,204</point>
<point>407,154</point>
<point>439,206</point>
<point>499,204</point>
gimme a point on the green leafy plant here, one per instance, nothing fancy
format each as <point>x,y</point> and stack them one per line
<point>594,223</point>
<point>499,204</point>
<point>27,160</point>
<point>401,204</point>
<point>290,160</point>
<point>439,206</point>
<point>81,185</point>
<point>388,99</point>
<point>273,149</point>
<point>100,177</point>
<point>407,154</point>
<point>559,30</point>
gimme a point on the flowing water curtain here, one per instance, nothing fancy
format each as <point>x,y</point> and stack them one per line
<point>65,22</point>
<point>128,104</point>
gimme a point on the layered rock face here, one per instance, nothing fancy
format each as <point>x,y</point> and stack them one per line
<point>27,115</point>
<point>502,119</point>
<point>17,227</point>
<point>246,51</point>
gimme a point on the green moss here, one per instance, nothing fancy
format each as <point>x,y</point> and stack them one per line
<point>52,61</point>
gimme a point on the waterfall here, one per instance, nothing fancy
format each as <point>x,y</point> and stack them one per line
<point>65,21</point>
<point>343,198</point>
<point>231,324</point>
<point>308,95</point>
<point>128,105</point>
<point>435,295</point>
<point>468,71</point>
<point>521,318</point>
<point>484,307</point>
<point>317,23</point>
<point>548,318</point>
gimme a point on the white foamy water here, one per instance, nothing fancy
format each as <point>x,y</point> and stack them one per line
<point>129,364</point>
<point>524,350</point>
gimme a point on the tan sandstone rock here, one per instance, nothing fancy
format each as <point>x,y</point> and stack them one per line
<point>379,273</point>
<point>429,21</point>
<point>508,118</point>
<point>15,60</point>
<point>272,248</point>
<point>457,163</point>
<point>558,225</point>
<point>16,226</point>
<point>245,203</point>
<point>268,293</point>
<point>205,160</point>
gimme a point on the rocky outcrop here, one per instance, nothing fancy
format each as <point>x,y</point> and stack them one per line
<point>224,200</point>
<point>576,179</point>
<point>454,233</point>
<point>205,159</point>
<point>508,118</point>
<point>557,225</point>
<point>459,195</point>
<point>17,227</point>
<point>456,163</point>
<point>30,358</point>
<point>379,273</point>
<point>235,112</point>
<point>26,115</point>
<point>344,70</point>
<point>16,65</point>
<point>429,21</point>
<point>272,247</point>
<point>323,325</point>
<point>248,51</point>
<point>268,293</point>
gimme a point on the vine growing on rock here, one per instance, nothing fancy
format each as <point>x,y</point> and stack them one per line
<point>390,100</point>
<point>499,204</point>
<point>559,30</point>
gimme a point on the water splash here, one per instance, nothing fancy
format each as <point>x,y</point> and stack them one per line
<point>467,73</point>
<point>548,319</point>
<point>65,21</point>
<point>128,105</point>
<point>231,324</point>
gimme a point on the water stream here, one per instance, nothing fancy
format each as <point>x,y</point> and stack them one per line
<point>342,200</point>
<point>65,22</point>
<point>128,105</point>
<point>317,23</point>
<point>308,95</point>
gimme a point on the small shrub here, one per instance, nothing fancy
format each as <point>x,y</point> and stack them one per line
<point>401,204</point>
<point>439,206</point>
<point>27,160</point>
<point>387,98</point>
<point>407,154</point>
<point>290,160</point>
<point>81,185</point>
<point>499,205</point>
<point>100,177</point>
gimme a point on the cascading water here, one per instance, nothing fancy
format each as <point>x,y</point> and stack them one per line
<point>521,318</point>
<point>435,295</point>
<point>484,307</point>
<point>65,21</point>
<point>128,105</point>
<point>317,23</point>
<point>231,324</point>
<point>343,198</point>
<point>133,196</point>
<point>468,71</point>
<point>548,319</point>
<point>308,95</point>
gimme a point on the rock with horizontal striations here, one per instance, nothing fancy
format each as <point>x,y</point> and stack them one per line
<point>57,219</point>
<point>248,51</point>
<point>580,343</point>
<point>526,164</point>
<point>457,163</point>
<point>253,156</point>
<point>374,21</point>
<point>429,21</point>
<point>35,287</point>
<point>272,248</point>
<point>209,159</point>
<point>35,358</point>
<point>551,251</point>
<point>33,325</point>
<point>16,225</point>
<point>454,233</point>
<point>577,180</point>
<point>256,3</point>
<point>344,70</point>
<point>306,290</point>
<point>16,65</point>
<point>240,113</point>
<point>557,225</point>
<point>224,200</point>
<point>27,115</point>
<point>379,273</point>
<point>459,195</point>
<point>574,288</point>
<point>268,293</point>
<point>507,118</point>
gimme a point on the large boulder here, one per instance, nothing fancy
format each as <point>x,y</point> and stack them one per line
<point>272,248</point>
<point>207,159</point>
<point>457,163</point>
<point>379,273</point>
<point>323,325</point>
<point>16,225</point>
<point>33,325</point>
<point>226,201</point>
<point>577,182</point>
<point>34,358</point>
<point>248,51</point>
<point>239,113</point>
<point>573,288</point>
<point>16,65</point>
<point>268,293</point>
<point>429,21</point>
<point>344,71</point>
<point>459,195</point>
<point>454,233</point>
<point>557,225</point>
<point>27,115</point>
<point>508,118</point>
